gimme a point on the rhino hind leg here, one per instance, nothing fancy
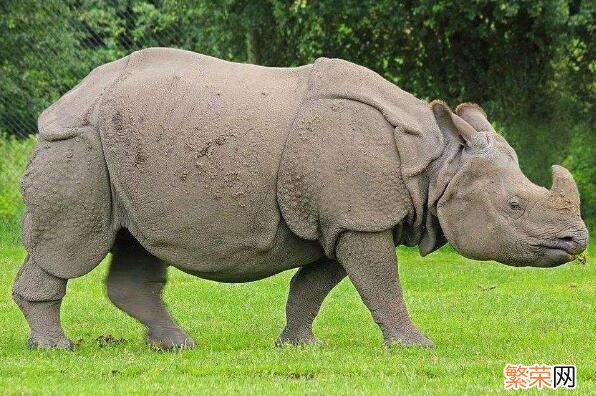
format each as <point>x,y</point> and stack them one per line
<point>39,296</point>
<point>134,283</point>
<point>308,288</point>
<point>67,225</point>
<point>67,228</point>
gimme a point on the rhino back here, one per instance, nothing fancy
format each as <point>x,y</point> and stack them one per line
<point>193,145</point>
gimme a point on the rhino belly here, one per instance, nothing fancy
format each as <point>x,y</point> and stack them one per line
<point>193,146</point>
<point>249,263</point>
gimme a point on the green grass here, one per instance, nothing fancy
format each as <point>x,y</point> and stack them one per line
<point>13,158</point>
<point>480,315</point>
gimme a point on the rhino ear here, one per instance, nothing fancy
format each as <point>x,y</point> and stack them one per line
<point>453,124</point>
<point>475,116</point>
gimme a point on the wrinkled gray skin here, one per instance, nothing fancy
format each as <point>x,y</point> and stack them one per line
<point>237,172</point>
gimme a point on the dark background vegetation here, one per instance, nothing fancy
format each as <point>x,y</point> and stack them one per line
<point>530,64</point>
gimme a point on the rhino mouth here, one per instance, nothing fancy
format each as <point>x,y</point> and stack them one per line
<point>559,250</point>
<point>567,244</point>
<point>557,256</point>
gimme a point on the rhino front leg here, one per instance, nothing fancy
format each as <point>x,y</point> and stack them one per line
<point>39,295</point>
<point>308,288</point>
<point>135,282</point>
<point>371,264</point>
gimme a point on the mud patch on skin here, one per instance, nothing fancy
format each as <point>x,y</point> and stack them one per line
<point>117,121</point>
<point>219,141</point>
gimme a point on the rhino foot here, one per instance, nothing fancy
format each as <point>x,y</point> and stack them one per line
<point>50,342</point>
<point>169,339</point>
<point>296,338</point>
<point>410,338</point>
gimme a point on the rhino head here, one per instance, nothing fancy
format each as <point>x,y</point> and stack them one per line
<point>489,209</point>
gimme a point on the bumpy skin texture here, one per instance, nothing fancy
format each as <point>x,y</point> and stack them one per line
<point>237,172</point>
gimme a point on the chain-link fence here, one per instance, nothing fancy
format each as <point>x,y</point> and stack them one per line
<point>48,47</point>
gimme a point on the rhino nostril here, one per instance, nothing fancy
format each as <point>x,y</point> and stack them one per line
<point>567,238</point>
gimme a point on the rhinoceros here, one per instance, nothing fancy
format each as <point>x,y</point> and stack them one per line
<point>236,172</point>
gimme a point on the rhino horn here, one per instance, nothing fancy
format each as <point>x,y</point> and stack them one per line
<point>563,194</point>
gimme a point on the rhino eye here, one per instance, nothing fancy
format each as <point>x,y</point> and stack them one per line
<point>515,207</point>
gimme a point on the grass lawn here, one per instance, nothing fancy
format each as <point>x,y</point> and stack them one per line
<point>481,316</point>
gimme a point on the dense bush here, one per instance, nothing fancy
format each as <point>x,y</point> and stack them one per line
<point>581,157</point>
<point>530,64</point>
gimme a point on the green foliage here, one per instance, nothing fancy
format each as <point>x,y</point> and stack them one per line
<point>582,159</point>
<point>514,57</point>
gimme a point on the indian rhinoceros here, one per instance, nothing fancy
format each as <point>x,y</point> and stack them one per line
<point>235,172</point>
